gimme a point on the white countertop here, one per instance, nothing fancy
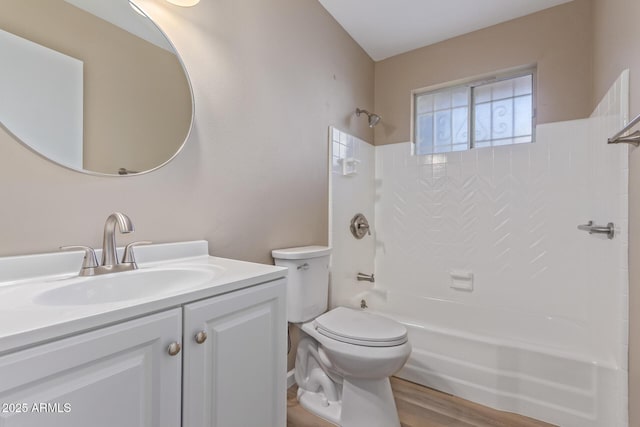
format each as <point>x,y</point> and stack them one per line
<point>24,321</point>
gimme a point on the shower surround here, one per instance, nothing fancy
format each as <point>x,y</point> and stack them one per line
<point>543,331</point>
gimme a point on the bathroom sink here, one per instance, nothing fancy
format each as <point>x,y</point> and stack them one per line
<point>132,285</point>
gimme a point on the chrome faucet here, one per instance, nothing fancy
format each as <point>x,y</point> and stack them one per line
<point>109,255</point>
<point>109,262</point>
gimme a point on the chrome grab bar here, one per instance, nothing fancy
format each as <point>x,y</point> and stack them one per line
<point>598,229</point>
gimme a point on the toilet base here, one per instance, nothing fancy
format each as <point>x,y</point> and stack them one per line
<point>368,403</point>
<point>317,404</point>
<point>365,403</point>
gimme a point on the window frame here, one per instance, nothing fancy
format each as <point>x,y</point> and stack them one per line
<point>472,83</point>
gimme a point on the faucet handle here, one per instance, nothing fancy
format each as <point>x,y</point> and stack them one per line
<point>90,260</point>
<point>128,257</point>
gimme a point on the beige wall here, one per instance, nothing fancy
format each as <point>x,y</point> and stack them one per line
<point>558,40</point>
<point>269,78</point>
<point>616,47</point>
<point>137,100</point>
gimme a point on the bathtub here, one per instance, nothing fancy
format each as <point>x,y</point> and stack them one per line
<point>479,354</point>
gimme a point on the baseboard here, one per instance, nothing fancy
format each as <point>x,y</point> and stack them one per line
<point>291,379</point>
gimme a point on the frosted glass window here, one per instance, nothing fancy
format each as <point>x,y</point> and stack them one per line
<point>475,115</point>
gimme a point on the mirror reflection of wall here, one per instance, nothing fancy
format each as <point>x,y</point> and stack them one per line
<point>42,98</point>
<point>137,100</point>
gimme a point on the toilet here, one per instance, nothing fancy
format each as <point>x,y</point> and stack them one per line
<point>345,356</point>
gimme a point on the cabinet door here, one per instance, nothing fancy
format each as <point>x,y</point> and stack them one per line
<point>237,376</point>
<point>119,376</point>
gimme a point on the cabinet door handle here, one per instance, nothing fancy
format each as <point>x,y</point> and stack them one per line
<point>201,337</point>
<point>173,349</point>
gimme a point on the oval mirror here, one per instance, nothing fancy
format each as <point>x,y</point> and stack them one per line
<point>92,85</point>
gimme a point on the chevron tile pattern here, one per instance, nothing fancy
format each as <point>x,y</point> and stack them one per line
<point>509,215</point>
<point>498,212</point>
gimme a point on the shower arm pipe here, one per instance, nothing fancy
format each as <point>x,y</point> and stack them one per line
<point>372,117</point>
<point>633,138</point>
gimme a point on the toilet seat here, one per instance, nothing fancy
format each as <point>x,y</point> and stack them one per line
<point>360,328</point>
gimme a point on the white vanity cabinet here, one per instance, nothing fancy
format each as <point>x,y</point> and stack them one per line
<point>119,376</point>
<point>236,376</point>
<point>124,376</point>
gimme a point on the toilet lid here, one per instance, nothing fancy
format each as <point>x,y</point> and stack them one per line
<point>360,328</point>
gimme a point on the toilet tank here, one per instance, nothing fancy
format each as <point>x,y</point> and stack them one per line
<point>307,281</point>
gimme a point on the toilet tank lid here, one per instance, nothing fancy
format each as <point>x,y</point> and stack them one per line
<point>302,252</point>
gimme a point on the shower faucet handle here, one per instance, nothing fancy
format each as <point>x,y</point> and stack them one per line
<point>365,227</point>
<point>360,226</point>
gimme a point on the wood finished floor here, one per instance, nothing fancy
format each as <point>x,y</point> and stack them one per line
<point>419,406</point>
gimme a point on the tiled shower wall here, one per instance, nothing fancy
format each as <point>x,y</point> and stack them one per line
<point>351,191</point>
<point>507,215</point>
<point>607,184</point>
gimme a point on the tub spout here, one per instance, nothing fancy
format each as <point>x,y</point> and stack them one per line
<point>365,277</point>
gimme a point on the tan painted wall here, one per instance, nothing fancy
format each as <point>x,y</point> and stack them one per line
<point>616,47</point>
<point>137,103</point>
<point>269,78</point>
<point>557,39</point>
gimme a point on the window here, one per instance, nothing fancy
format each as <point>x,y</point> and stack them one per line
<point>483,113</point>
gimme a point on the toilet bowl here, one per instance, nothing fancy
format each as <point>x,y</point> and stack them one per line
<point>345,356</point>
<point>358,368</point>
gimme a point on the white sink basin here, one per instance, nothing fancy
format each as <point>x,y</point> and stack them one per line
<point>126,286</point>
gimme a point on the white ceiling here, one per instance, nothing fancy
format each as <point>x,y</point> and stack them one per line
<point>386,28</point>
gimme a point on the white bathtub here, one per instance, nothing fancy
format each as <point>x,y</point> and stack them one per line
<point>480,355</point>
